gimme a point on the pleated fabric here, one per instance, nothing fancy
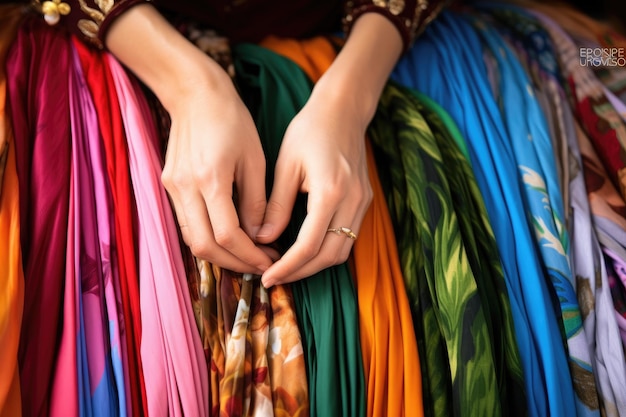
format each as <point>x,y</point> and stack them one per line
<point>39,104</point>
<point>460,287</point>
<point>121,203</point>
<point>325,303</point>
<point>457,79</point>
<point>256,358</point>
<point>390,357</point>
<point>173,360</point>
<point>535,159</point>
<point>11,272</point>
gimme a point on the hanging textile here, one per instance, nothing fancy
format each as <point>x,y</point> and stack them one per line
<point>326,302</point>
<point>534,155</point>
<point>457,79</point>
<point>390,357</point>
<point>100,83</point>
<point>256,356</point>
<point>38,99</point>
<point>444,256</point>
<point>11,272</point>
<point>173,361</point>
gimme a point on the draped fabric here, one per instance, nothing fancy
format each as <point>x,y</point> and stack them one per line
<point>488,278</point>
<point>457,79</point>
<point>172,355</point>
<point>11,272</point>
<point>444,258</point>
<point>326,304</point>
<point>256,356</point>
<point>39,105</point>
<point>390,357</point>
<point>534,156</point>
<point>99,81</point>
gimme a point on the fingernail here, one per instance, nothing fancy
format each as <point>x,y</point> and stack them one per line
<point>266,284</point>
<point>265,230</point>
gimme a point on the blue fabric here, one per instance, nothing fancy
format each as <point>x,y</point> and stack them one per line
<point>532,146</point>
<point>447,65</point>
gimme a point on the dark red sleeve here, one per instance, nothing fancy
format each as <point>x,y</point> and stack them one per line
<point>89,19</point>
<point>409,16</point>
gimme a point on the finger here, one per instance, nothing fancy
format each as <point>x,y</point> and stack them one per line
<point>280,205</point>
<point>226,228</point>
<point>335,249</point>
<point>309,241</point>
<point>251,198</point>
<point>198,235</point>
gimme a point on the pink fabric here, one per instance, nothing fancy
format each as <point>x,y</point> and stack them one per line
<point>173,359</point>
<point>64,395</point>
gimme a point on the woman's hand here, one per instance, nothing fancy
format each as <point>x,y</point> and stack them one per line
<point>213,147</point>
<point>323,155</point>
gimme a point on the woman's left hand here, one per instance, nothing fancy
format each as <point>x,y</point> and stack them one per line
<point>323,155</point>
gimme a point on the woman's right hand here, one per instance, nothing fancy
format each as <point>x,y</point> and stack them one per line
<point>214,147</point>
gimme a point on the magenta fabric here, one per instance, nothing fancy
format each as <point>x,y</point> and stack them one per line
<point>173,359</point>
<point>37,68</point>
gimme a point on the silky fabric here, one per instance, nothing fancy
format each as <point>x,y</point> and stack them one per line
<point>534,157</point>
<point>11,272</point>
<point>444,256</point>
<point>326,303</point>
<point>390,357</point>
<point>457,81</point>
<point>99,81</point>
<point>255,350</point>
<point>38,99</point>
<point>173,360</point>
<point>594,299</point>
<point>591,106</point>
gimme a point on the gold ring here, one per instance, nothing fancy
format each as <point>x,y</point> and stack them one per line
<point>343,230</point>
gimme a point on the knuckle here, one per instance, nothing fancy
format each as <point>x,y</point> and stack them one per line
<point>223,237</point>
<point>308,251</point>
<point>201,249</point>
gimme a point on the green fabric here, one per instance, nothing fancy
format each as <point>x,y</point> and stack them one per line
<point>450,261</point>
<point>275,89</point>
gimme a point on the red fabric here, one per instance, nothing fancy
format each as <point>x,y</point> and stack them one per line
<point>102,88</point>
<point>37,69</point>
<point>603,136</point>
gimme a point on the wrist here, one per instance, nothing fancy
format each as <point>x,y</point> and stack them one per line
<point>339,93</point>
<point>171,66</point>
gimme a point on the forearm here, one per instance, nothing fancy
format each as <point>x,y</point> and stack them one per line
<point>360,71</point>
<point>161,57</point>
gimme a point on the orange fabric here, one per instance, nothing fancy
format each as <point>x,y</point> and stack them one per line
<point>389,348</point>
<point>393,374</point>
<point>11,274</point>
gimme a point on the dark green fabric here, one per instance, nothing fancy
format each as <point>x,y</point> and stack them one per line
<point>451,265</point>
<point>275,89</point>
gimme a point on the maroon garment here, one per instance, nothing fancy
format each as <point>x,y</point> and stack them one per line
<point>249,20</point>
<point>38,101</point>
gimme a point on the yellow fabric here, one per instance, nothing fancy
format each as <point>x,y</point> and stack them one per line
<point>390,356</point>
<point>11,274</point>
